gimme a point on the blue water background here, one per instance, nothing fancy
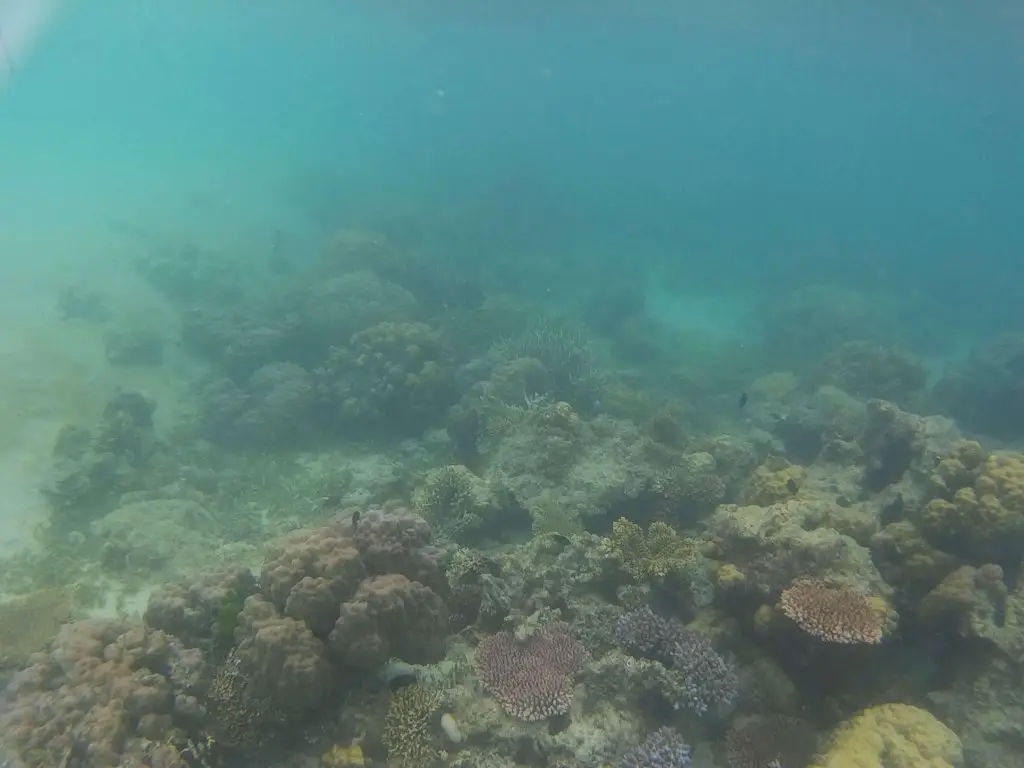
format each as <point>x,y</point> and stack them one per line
<point>716,151</point>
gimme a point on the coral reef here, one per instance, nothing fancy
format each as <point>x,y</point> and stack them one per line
<point>984,392</point>
<point>651,554</point>
<point>894,736</point>
<point>532,678</point>
<point>764,741</point>
<point>665,748</point>
<point>700,679</point>
<point>833,615</point>
<point>407,727</point>
<point>113,690</point>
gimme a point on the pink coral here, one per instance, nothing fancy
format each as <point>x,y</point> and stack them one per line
<point>531,679</point>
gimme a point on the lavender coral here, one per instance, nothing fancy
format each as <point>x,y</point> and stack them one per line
<point>665,748</point>
<point>531,679</point>
<point>702,679</point>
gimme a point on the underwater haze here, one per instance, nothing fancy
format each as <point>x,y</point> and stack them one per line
<point>476,293</point>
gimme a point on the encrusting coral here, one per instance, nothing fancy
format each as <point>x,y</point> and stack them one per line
<point>892,736</point>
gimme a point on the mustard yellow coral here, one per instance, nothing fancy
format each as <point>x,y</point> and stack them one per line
<point>773,481</point>
<point>892,736</point>
<point>652,554</point>
<point>980,508</point>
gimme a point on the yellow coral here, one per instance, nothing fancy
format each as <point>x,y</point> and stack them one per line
<point>340,756</point>
<point>772,482</point>
<point>652,554</point>
<point>892,736</point>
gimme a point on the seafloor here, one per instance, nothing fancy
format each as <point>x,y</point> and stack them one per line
<point>383,508</point>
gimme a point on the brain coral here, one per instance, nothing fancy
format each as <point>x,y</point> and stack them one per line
<point>892,736</point>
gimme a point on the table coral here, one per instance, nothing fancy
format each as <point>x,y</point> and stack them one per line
<point>650,554</point>
<point>532,679</point>
<point>892,736</point>
<point>833,615</point>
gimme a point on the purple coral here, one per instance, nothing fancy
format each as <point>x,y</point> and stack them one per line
<point>704,680</point>
<point>531,679</point>
<point>665,748</point>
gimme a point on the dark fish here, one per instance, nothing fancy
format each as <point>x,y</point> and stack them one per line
<point>355,519</point>
<point>743,399</point>
<point>792,486</point>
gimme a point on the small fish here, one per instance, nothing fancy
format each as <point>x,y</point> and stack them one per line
<point>743,399</point>
<point>355,519</point>
<point>792,486</point>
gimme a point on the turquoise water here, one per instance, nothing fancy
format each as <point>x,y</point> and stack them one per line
<point>728,198</point>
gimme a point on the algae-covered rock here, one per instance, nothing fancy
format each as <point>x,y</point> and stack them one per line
<point>892,736</point>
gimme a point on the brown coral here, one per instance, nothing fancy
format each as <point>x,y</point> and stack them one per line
<point>110,687</point>
<point>389,616</point>
<point>833,615</point>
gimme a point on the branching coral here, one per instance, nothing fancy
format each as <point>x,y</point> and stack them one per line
<point>769,741</point>
<point>700,679</point>
<point>833,615</point>
<point>665,748</point>
<point>652,554</point>
<point>407,727</point>
<point>532,679</point>
<point>457,502</point>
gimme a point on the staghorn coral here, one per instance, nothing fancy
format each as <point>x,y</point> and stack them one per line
<point>892,736</point>
<point>833,615</point>
<point>665,748</point>
<point>110,687</point>
<point>566,355</point>
<point>701,680</point>
<point>532,679</point>
<point>649,555</point>
<point>407,727</point>
<point>457,503</point>
<point>770,741</point>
